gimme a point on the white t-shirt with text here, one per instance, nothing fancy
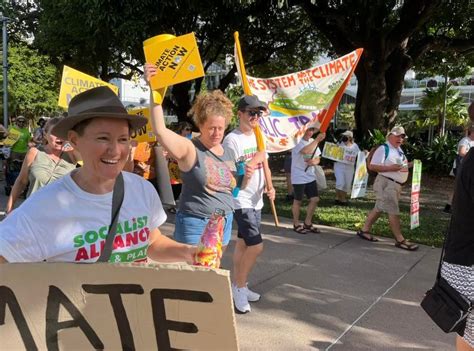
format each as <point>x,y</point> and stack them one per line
<point>246,146</point>
<point>63,223</point>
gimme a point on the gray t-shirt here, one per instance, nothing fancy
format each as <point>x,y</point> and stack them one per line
<point>208,185</point>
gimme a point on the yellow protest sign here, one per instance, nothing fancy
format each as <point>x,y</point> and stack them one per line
<point>144,134</point>
<point>74,82</point>
<point>176,58</point>
<point>12,137</point>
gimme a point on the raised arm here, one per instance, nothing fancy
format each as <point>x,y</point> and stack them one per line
<point>309,149</point>
<point>180,148</point>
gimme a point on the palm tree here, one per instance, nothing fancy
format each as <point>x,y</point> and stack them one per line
<point>433,103</point>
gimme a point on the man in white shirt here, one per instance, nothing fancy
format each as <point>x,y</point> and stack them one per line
<point>305,155</point>
<point>390,163</point>
<point>248,202</point>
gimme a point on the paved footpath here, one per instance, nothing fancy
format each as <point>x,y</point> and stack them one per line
<point>334,291</point>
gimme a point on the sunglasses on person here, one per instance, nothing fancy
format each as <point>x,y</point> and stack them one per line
<point>254,113</point>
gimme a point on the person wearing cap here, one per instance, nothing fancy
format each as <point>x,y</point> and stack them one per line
<point>248,203</point>
<point>207,167</point>
<point>305,155</point>
<point>19,149</point>
<point>344,172</point>
<point>68,220</point>
<point>391,166</point>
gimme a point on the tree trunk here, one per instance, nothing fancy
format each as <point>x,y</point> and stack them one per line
<point>371,96</point>
<point>380,85</point>
<point>181,100</point>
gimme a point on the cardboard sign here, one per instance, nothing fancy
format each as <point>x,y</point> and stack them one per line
<point>74,82</point>
<point>361,177</point>
<point>177,59</point>
<point>296,99</point>
<point>338,153</point>
<point>415,195</point>
<point>64,306</point>
<point>144,134</point>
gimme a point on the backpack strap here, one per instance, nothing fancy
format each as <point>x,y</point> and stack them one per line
<point>387,150</point>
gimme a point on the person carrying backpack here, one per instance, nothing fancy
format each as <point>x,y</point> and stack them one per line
<point>392,173</point>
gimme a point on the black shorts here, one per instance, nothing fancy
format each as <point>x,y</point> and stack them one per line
<point>248,225</point>
<point>287,163</point>
<point>309,189</point>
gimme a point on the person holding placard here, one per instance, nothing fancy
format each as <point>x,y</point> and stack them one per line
<point>69,220</point>
<point>207,168</point>
<point>391,166</point>
<point>344,172</point>
<point>305,155</point>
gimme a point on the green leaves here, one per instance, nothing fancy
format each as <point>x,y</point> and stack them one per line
<point>33,82</point>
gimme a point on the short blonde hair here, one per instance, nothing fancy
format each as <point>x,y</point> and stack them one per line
<point>213,103</point>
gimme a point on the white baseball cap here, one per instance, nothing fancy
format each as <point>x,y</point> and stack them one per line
<point>397,130</point>
<point>348,133</point>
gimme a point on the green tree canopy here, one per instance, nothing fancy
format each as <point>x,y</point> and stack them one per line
<point>395,35</point>
<point>104,38</point>
<point>33,82</point>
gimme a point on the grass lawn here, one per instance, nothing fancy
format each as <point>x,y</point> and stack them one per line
<point>433,222</point>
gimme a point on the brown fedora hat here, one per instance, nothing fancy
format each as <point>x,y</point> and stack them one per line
<point>95,102</point>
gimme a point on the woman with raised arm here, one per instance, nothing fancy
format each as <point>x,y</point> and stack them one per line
<point>207,168</point>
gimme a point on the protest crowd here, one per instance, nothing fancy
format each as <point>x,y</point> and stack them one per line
<point>87,161</point>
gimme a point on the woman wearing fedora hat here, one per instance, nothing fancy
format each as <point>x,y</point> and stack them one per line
<point>207,168</point>
<point>68,220</point>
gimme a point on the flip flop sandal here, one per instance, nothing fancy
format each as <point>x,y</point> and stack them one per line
<point>300,229</point>
<point>311,228</point>
<point>406,245</point>
<point>370,237</point>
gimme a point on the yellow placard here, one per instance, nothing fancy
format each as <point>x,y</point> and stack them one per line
<point>74,82</point>
<point>177,59</point>
<point>144,134</point>
<point>12,137</point>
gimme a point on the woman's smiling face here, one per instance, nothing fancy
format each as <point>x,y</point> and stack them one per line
<point>104,146</point>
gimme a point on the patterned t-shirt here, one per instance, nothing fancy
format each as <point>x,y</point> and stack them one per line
<point>208,185</point>
<point>63,223</point>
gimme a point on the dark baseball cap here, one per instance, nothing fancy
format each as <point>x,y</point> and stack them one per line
<point>250,102</point>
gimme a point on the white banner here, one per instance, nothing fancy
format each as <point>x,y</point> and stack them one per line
<point>298,98</point>
<point>361,176</point>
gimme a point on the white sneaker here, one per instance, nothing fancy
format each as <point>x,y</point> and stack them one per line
<point>252,296</point>
<point>239,296</point>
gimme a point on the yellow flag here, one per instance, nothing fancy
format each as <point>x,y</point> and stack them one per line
<point>74,82</point>
<point>12,138</point>
<point>144,134</point>
<point>176,58</point>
